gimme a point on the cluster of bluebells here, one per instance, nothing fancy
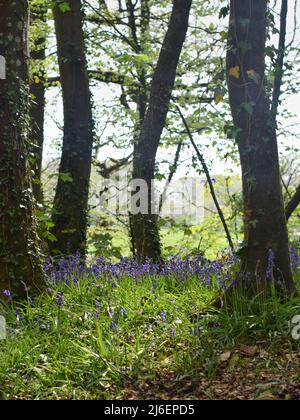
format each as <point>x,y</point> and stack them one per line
<point>217,273</point>
<point>295,262</point>
<point>103,271</point>
<point>69,269</point>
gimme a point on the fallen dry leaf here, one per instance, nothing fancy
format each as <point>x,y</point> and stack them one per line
<point>224,357</point>
<point>249,350</point>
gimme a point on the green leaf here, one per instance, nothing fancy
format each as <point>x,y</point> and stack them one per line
<point>224,12</point>
<point>64,7</point>
<point>248,107</point>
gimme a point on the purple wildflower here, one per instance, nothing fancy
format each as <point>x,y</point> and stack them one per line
<point>271,264</point>
<point>113,326</point>
<point>50,291</point>
<point>294,258</point>
<point>7,294</point>
<point>163,315</point>
<point>59,300</point>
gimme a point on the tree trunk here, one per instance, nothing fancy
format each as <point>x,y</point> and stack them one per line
<point>264,217</point>
<point>19,247</point>
<point>145,226</point>
<point>71,199</point>
<point>37,108</point>
<point>293,204</point>
<point>140,96</point>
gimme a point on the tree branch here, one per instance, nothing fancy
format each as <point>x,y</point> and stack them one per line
<point>105,170</point>
<point>280,59</point>
<point>105,76</point>
<point>173,170</point>
<point>132,23</point>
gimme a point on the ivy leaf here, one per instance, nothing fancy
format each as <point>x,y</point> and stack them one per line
<point>219,94</point>
<point>248,107</point>
<point>235,72</point>
<point>218,99</point>
<point>64,7</point>
<point>224,12</point>
<point>224,35</point>
<point>253,75</point>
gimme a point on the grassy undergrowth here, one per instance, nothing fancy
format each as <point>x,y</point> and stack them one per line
<point>91,336</point>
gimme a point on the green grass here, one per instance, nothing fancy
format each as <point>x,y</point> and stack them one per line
<point>176,240</point>
<point>72,353</point>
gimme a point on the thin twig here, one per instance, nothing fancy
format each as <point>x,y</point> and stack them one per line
<point>208,177</point>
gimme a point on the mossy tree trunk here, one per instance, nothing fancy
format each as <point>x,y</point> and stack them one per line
<point>19,247</point>
<point>264,214</point>
<point>71,199</point>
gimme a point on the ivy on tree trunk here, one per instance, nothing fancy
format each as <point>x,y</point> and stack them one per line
<point>19,246</point>
<point>265,254</point>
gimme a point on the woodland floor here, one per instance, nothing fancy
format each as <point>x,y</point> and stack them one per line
<point>259,376</point>
<point>121,331</point>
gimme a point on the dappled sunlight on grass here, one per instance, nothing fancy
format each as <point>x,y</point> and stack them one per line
<point>104,326</point>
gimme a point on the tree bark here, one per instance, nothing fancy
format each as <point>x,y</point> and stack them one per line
<point>71,199</point>
<point>145,226</point>
<point>19,247</point>
<point>264,217</point>
<point>37,108</point>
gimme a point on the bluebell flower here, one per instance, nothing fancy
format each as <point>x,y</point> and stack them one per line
<point>113,326</point>
<point>59,300</point>
<point>7,294</point>
<point>271,264</point>
<point>163,315</point>
<point>50,291</point>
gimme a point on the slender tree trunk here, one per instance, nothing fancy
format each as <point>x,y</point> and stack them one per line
<point>293,203</point>
<point>209,180</point>
<point>19,248</point>
<point>145,226</point>
<point>141,91</point>
<point>279,71</point>
<point>172,172</point>
<point>37,108</point>
<point>264,217</point>
<point>71,199</point>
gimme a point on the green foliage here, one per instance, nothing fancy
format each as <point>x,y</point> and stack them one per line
<point>72,352</point>
<point>102,244</point>
<point>64,6</point>
<point>65,177</point>
<point>44,223</point>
